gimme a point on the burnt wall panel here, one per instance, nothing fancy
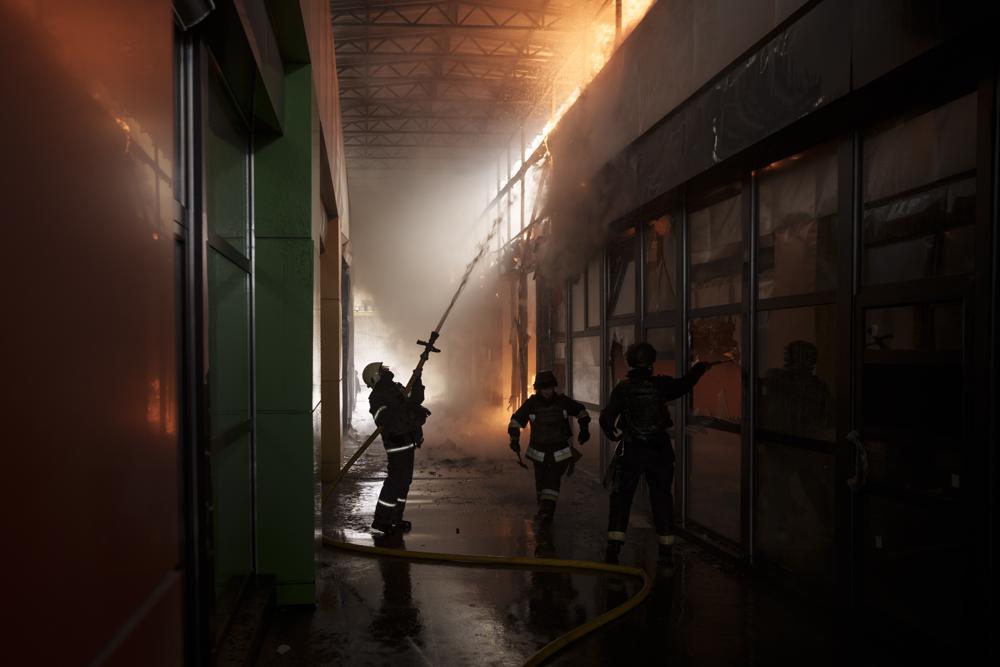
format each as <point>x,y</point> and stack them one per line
<point>798,71</point>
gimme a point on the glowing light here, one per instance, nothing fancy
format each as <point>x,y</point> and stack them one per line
<point>595,48</point>
<point>153,414</point>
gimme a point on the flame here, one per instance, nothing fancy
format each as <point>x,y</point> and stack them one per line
<point>594,49</point>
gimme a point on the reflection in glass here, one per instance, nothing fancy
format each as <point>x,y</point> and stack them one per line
<point>594,293</point>
<point>795,510</point>
<point>227,146</point>
<point>717,254</point>
<point>920,195</point>
<point>797,214</point>
<point>714,481</point>
<point>587,369</point>
<point>621,277</point>
<point>620,337</point>
<point>661,265</point>
<point>929,327</point>
<point>796,352</point>
<point>719,392</point>
<point>229,343</point>
<point>579,323</point>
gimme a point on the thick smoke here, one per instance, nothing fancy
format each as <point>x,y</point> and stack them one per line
<point>415,233</point>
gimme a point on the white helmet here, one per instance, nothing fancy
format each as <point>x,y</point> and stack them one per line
<point>371,374</point>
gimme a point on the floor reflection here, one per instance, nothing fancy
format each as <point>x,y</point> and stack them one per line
<point>397,621</point>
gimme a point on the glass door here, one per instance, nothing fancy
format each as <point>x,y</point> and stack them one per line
<point>912,340</point>
<point>228,257</point>
<point>713,452</point>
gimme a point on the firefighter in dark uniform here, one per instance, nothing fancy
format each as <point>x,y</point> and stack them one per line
<point>401,418</point>
<point>637,416</point>
<point>549,450</point>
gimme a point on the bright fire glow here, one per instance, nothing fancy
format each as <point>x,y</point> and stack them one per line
<point>594,48</point>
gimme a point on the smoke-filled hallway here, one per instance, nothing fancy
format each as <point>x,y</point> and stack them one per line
<point>743,255</point>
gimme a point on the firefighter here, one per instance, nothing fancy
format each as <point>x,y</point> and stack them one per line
<point>637,417</point>
<point>401,418</point>
<point>548,413</point>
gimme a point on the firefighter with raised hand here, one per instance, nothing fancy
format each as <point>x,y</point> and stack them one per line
<point>549,449</point>
<point>401,418</point>
<point>637,417</point>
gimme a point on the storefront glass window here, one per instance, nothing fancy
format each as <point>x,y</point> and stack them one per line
<point>622,277</point>
<point>796,357</point>
<point>797,218</point>
<point>587,369</point>
<point>594,293</point>
<point>719,393</point>
<point>920,195</point>
<point>661,265</point>
<point>717,254</point>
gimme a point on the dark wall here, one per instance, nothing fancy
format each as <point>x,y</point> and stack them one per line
<point>90,471</point>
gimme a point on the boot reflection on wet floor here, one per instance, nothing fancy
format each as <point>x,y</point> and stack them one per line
<point>553,605</point>
<point>398,620</point>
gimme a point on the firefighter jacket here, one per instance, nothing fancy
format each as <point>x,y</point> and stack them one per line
<point>637,408</point>
<point>399,416</point>
<point>550,430</point>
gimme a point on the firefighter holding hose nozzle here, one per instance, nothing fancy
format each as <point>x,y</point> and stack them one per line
<point>637,417</point>
<point>401,417</point>
<point>549,450</point>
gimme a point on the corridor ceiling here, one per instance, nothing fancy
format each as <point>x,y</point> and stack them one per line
<point>445,81</point>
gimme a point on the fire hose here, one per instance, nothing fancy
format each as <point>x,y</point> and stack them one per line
<point>560,642</point>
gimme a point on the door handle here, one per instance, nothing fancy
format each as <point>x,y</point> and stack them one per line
<point>857,482</point>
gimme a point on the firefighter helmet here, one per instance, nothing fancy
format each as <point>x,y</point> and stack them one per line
<point>640,355</point>
<point>371,374</point>
<point>545,379</point>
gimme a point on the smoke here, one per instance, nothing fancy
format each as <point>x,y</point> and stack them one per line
<point>415,232</point>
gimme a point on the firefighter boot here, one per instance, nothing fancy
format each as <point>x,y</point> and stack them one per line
<point>384,527</point>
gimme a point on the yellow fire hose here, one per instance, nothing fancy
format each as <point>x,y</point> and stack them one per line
<point>552,647</point>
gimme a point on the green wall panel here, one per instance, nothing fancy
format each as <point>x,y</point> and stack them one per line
<point>286,489</point>
<point>283,165</point>
<point>284,281</point>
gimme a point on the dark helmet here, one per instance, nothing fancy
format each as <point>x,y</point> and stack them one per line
<point>640,355</point>
<point>544,379</point>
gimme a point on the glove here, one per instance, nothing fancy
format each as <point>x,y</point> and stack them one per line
<point>700,368</point>
<point>515,445</point>
<point>584,436</point>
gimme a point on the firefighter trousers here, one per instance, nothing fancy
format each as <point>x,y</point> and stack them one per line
<point>392,499</point>
<point>548,479</point>
<point>655,462</point>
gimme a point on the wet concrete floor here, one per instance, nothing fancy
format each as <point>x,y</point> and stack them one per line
<point>392,612</point>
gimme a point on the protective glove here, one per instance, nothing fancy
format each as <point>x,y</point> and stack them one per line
<point>584,436</point>
<point>515,445</point>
